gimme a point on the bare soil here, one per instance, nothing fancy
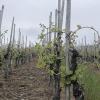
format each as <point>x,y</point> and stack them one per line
<point>27,82</point>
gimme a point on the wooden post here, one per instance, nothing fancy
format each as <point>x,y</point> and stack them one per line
<point>14,35</point>
<point>50,25</point>
<point>19,39</point>
<point>23,41</point>
<point>59,15</point>
<point>18,48</point>
<point>26,44</point>
<point>8,55</point>
<point>98,46</point>
<point>4,40</point>
<point>85,48</point>
<point>11,45</point>
<point>58,61</point>
<point>56,18</point>
<point>62,12</point>
<point>12,27</point>
<point>47,35</point>
<point>94,46</point>
<point>1,16</point>
<point>82,51</point>
<point>68,21</point>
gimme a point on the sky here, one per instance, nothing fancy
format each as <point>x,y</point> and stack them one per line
<point>30,13</point>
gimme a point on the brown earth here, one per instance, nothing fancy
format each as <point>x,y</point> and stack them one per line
<point>26,83</point>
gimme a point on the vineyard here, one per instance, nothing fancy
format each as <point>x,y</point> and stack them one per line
<point>56,67</point>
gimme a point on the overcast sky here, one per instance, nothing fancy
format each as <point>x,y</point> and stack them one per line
<point>30,13</point>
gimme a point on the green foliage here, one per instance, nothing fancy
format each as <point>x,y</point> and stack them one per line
<point>47,57</point>
<point>91,80</point>
<point>41,36</point>
<point>44,56</point>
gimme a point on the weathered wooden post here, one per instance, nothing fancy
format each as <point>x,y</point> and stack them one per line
<point>8,55</point>
<point>4,40</point>
<point>19,39</point>
<point>98,48</point>
<point>99,42</point>
<point>86,54</point>
<point>26,49</point>
<point>13,42</point>
<point>94,47</point>
<point>82,48</point>
<point>1,16</point>
<point>50,25</point>
<point>26,42</point>
<point>23,42</point>
<point>62,12</point>
<point>58,61</point>
<point>58,46</point>
<point>68,22</point>
<point>14,35</point>
<point>18,48</point>
<point>47,35</point>
<point>12,28</point>
<point>56,18</point>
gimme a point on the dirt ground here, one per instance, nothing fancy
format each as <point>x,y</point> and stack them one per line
<point>26,83</point>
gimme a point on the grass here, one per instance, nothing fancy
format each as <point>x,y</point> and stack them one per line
<point>91,79</point>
